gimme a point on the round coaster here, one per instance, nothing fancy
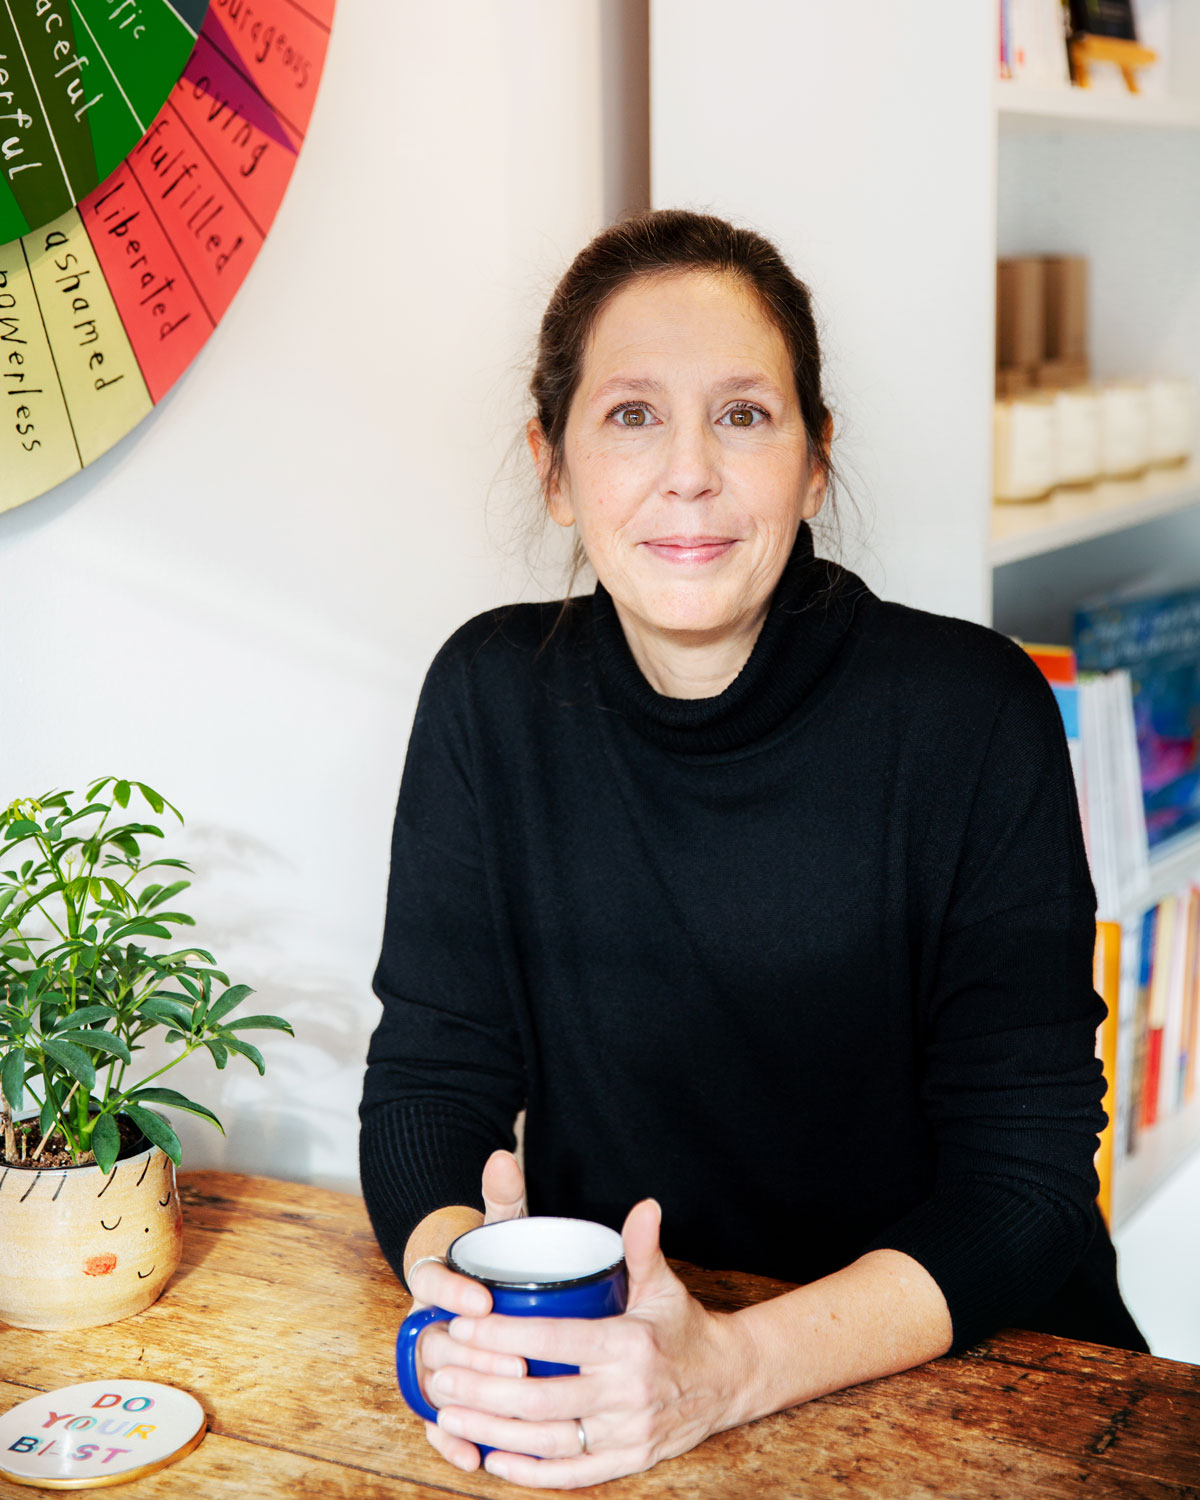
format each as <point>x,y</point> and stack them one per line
<point>101,1432</point>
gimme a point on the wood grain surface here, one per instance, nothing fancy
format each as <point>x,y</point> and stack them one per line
<point>282,1320</point>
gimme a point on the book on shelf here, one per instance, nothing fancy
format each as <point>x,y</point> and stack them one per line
<point>1107,980</point>
<point>1159,1018</point>
<point>1146,964</point>
<point>1098,720</point>
<point>1032,42</point>
<point>1155,639</point>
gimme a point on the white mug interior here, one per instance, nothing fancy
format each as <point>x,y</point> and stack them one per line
<point>537,1251</point>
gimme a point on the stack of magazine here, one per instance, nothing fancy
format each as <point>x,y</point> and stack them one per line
<point>1098,717</point>
<point>1129,692</point>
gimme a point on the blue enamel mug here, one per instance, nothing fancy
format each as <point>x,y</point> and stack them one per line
<point>539,1267</point>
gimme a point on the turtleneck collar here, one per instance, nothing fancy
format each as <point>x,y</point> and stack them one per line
<point>807,620</point>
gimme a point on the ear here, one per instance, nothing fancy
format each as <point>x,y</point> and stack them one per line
<point>557,503</point>
<point>819,481</point>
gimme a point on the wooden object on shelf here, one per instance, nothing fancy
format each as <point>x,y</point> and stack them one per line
<point>1054,374</point>
<point>1086,50</point>
<point>1014,382</point>
<point>1065,279</point>
<point>1020,311</point>
<point>282,1322</point>
<point>1106,976</point>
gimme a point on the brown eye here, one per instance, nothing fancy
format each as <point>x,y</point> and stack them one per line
<point>742,417</point>
<point>633,416</point>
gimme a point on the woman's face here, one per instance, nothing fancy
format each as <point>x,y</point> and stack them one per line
<point>685,459</point>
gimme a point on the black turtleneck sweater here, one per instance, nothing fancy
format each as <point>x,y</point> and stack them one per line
<point>810,961</point>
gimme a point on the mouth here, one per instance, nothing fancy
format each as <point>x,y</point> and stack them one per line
<point>690,550</point>
<point>143,1274</point>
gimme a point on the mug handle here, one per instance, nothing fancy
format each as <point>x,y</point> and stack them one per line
<point>406,1357</point>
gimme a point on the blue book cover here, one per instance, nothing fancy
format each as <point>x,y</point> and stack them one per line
<point>1157,640</point>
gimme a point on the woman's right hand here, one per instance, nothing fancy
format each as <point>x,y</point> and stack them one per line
<point>432,1285</point>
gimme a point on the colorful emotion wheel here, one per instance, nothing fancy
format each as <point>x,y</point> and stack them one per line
<point>81,81</point>
<point>103,308</point>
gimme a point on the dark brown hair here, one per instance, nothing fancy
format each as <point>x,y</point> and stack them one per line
<point>661,242</point>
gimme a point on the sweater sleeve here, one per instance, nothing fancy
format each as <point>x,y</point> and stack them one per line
<point>444,1079</point>
<point>1010,1084</point>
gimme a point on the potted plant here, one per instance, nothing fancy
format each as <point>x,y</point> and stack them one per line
<point>90,1222</point>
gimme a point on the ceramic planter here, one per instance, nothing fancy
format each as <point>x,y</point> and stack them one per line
<point>81,1247</point>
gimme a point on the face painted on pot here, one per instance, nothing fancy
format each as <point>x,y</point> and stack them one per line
<point>136,1243</point>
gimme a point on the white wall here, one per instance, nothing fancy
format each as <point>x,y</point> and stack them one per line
<point>237,605</point>
<point>854,136</point>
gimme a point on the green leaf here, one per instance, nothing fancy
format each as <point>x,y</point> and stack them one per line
<point>177,1101</point>
<point>151,796</point>
<point>161,893</point>
<point>232,996</point>
<point>106,1142</point>
<point>46,1113</point>
<point>118,892</point>
<point>136,928</point>
<point>220,1055</point>
<point>6,897</point>
<point>71,1058</point>
<point>260,1023</point>
<point>88,1015</point>
<point>12,1074</point>
<point>102,1041</point>
<point>121,793</point>
<point>88,811</point>
<point>167,1012</point>
<point>156,1131</point>
<point>174,1036</point>
<point>246,1050</point>
<point>175,916</point>
<point>21,828</point>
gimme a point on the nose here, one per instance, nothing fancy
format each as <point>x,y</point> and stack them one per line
<point>692,460</point>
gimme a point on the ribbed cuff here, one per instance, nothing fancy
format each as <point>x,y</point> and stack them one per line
<point>997,1251</point>
<point>414,1158</point>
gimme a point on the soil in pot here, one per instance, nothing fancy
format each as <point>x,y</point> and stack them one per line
<point>28,1135</point>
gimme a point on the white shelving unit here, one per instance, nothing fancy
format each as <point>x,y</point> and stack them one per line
<point>1070,516</point>
<point>1025,107</point>
<point>893,168</point>
<point>1112,175</point>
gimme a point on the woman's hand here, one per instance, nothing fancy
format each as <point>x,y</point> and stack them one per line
<point>653,1382</point>
<point>432,1284</point>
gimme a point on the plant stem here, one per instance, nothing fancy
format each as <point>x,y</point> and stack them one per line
<point>61,1122</point>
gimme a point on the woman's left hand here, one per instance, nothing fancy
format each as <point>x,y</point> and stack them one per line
<point>652,1383</point>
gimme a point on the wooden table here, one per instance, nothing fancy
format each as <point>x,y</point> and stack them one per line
<point>282,1321</point>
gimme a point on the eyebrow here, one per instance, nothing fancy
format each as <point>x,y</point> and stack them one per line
<point>643,386</point>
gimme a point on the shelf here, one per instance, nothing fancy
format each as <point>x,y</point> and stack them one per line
<point>1172,865</point>
<point>1068,516</point>
<point>1024,107</point>
<point>1160,1150</point>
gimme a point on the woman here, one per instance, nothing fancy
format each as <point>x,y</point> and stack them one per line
<point>766,898</point>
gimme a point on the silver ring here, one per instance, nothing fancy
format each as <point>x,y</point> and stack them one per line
<point>583,1448</point>
<point>441,1260</point>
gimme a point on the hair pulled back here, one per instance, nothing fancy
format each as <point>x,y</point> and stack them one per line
<point>664,241</point>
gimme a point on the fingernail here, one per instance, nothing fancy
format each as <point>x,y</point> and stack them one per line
<point>462,1328</point>
<point>450,1423</point>
<point>512,1367</point>
<point>443,1383</point>
<point>496,1466</point>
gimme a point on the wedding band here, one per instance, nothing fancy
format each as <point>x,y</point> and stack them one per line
<point>441,1260</point>
<point>582,1436</point>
